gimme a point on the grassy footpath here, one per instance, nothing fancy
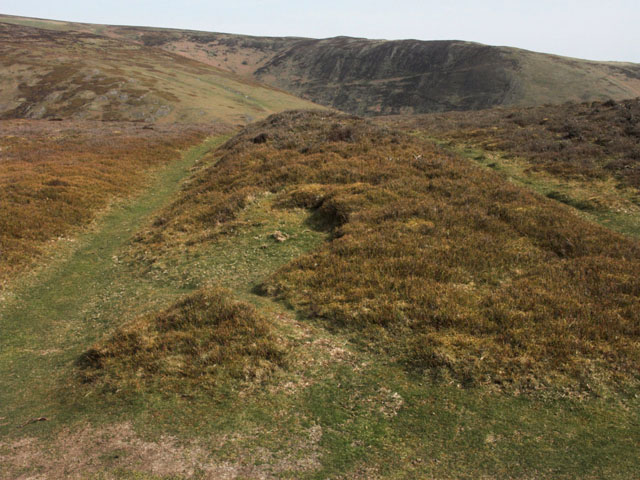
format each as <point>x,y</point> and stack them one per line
<point>49,320</point>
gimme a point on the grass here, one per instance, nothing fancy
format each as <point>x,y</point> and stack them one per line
<point>82,74</point>
<point>445,432</point>
<point>343,406</point>
<point>50,319</point>
<point>602,201</point>
<point>584,155</point>
<point>595,140</point>
<point>53,318</point>
<point>200,339</point>
<point>37,23</point>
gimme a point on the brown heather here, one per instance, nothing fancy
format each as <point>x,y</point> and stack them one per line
<point>57,175</point>
<point>441,264</point>
<point>593,140</point>
<point>203,337</point>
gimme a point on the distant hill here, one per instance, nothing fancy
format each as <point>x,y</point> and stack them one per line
<point>373,77</point>
<point>76,74</point>
<point>370,77</point>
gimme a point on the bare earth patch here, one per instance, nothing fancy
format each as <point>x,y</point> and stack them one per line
<point>113,451</point>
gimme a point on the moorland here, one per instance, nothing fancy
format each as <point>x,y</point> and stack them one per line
<point>205,276</point>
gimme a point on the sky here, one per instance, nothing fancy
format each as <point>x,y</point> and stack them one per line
<point>596,30</point>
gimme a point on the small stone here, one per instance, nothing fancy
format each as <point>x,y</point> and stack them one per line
<point>278,236</point>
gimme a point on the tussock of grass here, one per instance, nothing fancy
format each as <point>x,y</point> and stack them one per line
<point>444,266</point>
<point>200,340</point>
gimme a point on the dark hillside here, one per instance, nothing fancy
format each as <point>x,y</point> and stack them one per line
<point>365,77</point>
<point>410,76</point>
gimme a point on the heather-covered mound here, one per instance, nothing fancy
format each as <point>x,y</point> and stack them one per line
<point>444,266</point>
<point>202,338</point>
<point>593,140</point>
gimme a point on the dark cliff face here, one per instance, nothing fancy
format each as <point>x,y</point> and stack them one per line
<point>368,77</point>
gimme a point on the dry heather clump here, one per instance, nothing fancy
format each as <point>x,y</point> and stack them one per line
<point>440,264</point>
<point>202,338</point>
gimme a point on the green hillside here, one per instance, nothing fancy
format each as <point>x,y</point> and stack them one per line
<point>70,74</point>
<point>373,77</point>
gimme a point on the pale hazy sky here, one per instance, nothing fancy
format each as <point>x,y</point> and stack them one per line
<point>598,30</point>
